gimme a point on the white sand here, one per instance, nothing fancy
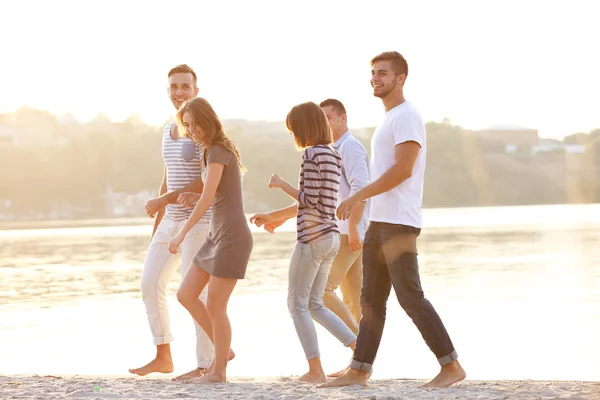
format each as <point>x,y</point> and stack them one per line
<point>49,387</point>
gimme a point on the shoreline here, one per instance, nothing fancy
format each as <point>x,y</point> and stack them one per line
<point>6,225</point>
<point>128,387</point>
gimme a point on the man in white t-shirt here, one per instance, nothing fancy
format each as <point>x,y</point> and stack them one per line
<point>398,152</point>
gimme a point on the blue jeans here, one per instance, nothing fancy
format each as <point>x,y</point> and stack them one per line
<point>309,270</point>
<point>390,259</point>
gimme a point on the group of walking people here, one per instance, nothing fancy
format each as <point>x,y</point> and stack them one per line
<point>357,218</point>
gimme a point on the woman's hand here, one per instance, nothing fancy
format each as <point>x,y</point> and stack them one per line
<point>188,199</point>
<point>276,181</point>
<point>175,242</point>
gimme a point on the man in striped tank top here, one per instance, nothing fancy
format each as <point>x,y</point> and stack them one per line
<point>183,169</point>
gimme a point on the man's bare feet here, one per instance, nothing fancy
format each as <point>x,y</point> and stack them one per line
<point>448,376</point>
<point>162,365</point>
<point>350,377</point>
<point>313,377</point>
<point>195,373</point>
<point>208,379</point>
<point>342,372</point>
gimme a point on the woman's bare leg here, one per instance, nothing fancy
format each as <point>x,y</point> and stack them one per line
<point>219,292</point>
<point>194,281</point>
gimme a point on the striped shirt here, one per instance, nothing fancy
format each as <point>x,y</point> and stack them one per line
<point>183,161</point>
<point>319,181</point>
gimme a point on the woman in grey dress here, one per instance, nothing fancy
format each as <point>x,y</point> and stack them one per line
<point>223,259</point>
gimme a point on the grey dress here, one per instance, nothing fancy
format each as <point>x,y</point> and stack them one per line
<point>227,249</point>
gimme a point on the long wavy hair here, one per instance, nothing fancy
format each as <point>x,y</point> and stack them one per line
<point>211,130</point>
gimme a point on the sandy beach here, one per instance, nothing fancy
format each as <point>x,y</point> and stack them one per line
<point>74,387</point>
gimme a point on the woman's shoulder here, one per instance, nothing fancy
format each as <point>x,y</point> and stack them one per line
<point>218,153</point>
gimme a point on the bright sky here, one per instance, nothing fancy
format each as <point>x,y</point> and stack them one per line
<point>479,63</point>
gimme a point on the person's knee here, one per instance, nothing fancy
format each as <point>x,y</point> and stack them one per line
<point>216,308</point>
<point>297,305</point>
<point>370,307</point>
<point>314,305</point>
<point>185,298</point>
<point>150,286</point>
<point>413,303</point>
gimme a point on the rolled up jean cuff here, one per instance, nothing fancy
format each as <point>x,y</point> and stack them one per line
<point>162,340</point>
<point>448,359</point>
<point>361,366</point>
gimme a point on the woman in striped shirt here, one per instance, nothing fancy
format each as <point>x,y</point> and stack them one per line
<point>318,239</point>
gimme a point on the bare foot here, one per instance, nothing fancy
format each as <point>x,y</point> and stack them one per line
<point>164,366</point>
<point>350,377</point>
<point>195,373</point>
<point>208,379</point>
<point>448,376</point>
<point>313,377</point>
<point>198,372</point>
<point>339,373</point>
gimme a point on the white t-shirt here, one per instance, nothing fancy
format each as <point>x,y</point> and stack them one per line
<point>402,204</point>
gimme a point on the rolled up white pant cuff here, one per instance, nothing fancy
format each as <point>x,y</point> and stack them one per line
<point>204,364</point>
<point>163,340</point>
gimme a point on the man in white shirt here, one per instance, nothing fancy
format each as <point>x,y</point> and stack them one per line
<point>346,270</point>
<point>398,152</point>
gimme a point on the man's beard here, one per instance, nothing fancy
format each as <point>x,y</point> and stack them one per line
<point>388,91</point>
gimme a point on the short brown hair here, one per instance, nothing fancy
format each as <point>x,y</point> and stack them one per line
<point>183,69</point>
<point>308,123</point>
<point>399,64</point>
<point>335,104</point>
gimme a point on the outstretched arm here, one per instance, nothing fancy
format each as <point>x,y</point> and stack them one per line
<point>274,219</point>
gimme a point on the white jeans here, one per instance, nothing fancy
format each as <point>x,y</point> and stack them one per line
<point>159,267</point>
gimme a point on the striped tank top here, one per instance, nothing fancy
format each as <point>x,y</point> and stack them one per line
<point>183,161</point>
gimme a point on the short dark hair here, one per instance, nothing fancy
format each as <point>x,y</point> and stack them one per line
<point>335,104</point>
<point>183,69</point>
<point>399,64</point>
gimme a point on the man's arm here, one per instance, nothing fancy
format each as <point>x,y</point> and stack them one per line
<point>195,186</point>
<point>356,172</point>
<point>406,154</point>
<point>161,212</point>
<point>155,205</point>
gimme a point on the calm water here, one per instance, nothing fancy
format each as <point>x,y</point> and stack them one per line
<point>518,288</point>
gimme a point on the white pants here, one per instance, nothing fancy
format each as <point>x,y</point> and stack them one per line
<point>159,267</point>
